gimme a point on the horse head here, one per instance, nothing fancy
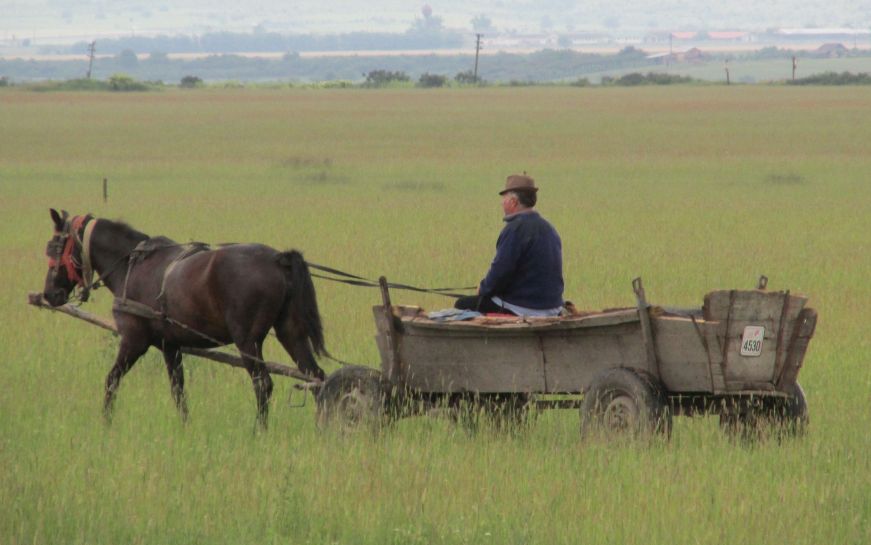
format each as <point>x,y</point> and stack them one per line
<point>64,258</point>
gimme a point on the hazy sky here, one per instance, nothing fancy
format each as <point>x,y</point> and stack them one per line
<point>48,20</point>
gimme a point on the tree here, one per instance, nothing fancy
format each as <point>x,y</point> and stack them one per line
<point>123,82</point>
<point>465,78</point>
<point>189,82</point>
<point>380,78</point>
<point>431,80</point>
<point>127,59</point>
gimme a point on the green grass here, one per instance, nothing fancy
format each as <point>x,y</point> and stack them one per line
<point>693,188</point>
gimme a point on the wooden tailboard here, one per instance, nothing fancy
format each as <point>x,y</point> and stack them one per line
<point>778,313</point>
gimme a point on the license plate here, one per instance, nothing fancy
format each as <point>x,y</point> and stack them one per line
<point>751,340</point>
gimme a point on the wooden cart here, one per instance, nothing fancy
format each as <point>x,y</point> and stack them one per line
<point>628,370</point>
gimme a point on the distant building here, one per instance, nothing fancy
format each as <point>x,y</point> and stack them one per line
<point>818,34</point>
<point>693,55</point>
<point>730,36</point>
<point>832,50</point>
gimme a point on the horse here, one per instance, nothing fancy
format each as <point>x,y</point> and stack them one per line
<point>170,295</point>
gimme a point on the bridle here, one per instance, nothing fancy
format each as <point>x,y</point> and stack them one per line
<point>61,252</point>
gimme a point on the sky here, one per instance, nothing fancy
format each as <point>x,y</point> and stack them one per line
<point>64,20</point>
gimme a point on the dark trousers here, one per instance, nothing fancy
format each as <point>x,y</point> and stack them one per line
<point>481,304</point>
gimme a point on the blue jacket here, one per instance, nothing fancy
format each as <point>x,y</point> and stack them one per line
<point>528,268</point>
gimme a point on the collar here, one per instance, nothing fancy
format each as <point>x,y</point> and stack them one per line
<point>516,215</point>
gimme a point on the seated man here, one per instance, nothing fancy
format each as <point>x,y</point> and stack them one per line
<point>526,276</point>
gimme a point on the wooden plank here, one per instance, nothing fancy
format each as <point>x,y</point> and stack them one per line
<point>479,363</point>
<point>575,357</point>
<point>749,305</point>
<point>37,300</point>
<point>646,328</point>
<point>718,378</point>
<point>390,362</point>
<point>806,324</point>
<point>684,360</point>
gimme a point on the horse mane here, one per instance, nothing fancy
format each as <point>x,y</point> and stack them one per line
<point>122,230</point>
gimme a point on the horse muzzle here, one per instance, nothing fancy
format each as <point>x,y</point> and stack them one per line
<point>56,297</point>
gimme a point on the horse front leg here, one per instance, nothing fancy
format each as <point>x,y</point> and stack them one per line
<point>130,351</point>
<point>175,371</point>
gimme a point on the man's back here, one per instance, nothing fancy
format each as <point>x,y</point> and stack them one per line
<point>527,269</point>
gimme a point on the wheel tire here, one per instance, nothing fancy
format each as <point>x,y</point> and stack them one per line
<point>351,399</point>
<point>793,412</point>
<point>625,402</point>
<point>780,417</point>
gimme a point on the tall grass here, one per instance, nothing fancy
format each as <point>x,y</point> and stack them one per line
<point>692,188</point>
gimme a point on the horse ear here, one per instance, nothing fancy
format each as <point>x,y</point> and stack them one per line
<point>57,219</point>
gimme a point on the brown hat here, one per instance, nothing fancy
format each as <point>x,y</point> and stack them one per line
<point>519,182</point>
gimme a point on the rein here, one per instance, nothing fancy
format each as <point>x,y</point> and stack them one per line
<point>354,280</point>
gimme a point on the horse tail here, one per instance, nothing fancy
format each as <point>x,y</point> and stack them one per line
<point>303,303</point>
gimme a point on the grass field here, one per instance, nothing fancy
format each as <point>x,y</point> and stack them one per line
<point>693,188</point>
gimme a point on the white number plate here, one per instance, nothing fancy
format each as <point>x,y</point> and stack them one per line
<point>751,341</point>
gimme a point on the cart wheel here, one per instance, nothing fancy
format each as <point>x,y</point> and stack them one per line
<point>780,417</point>
<point>352,398</point>
<point>792,413</point>
<point>625,402</point>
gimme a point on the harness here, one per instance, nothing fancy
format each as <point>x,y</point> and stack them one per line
<point>140,252</point>
<point>61,251</point>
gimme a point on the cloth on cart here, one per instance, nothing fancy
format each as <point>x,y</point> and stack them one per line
<point>452,315</point>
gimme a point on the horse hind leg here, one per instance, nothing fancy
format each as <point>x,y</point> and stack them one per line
<point>298,346</point>
<point>175,371</point>
<point>129,351</point>
<point>260,378</point>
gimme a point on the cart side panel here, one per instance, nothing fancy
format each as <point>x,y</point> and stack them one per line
<point>687,362</point>
<point>574,357</point>
<point>451,361</point>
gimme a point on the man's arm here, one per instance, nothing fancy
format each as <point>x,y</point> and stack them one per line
<point>508,252</point>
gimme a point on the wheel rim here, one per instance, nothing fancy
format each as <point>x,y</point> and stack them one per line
<point>620,415</point>
<point>353,405</point>
<point>354,408</point>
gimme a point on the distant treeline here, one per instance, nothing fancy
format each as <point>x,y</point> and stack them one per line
<point>834,78</point>
<point>264,42</point>
<point>548,65</point>
<point>543,66</point>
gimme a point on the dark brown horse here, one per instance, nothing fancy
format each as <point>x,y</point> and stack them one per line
<point>170,295</point>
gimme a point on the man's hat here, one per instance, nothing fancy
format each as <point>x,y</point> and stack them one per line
<point>519,182</point>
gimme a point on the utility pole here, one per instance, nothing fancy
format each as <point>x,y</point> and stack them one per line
<point>91,48</point>
<point>728,81</point>
<point>793,67</point>
<point>670,51</point>
<point>477,52</point>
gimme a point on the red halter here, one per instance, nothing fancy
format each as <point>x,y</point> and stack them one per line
<point>66,259</point>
